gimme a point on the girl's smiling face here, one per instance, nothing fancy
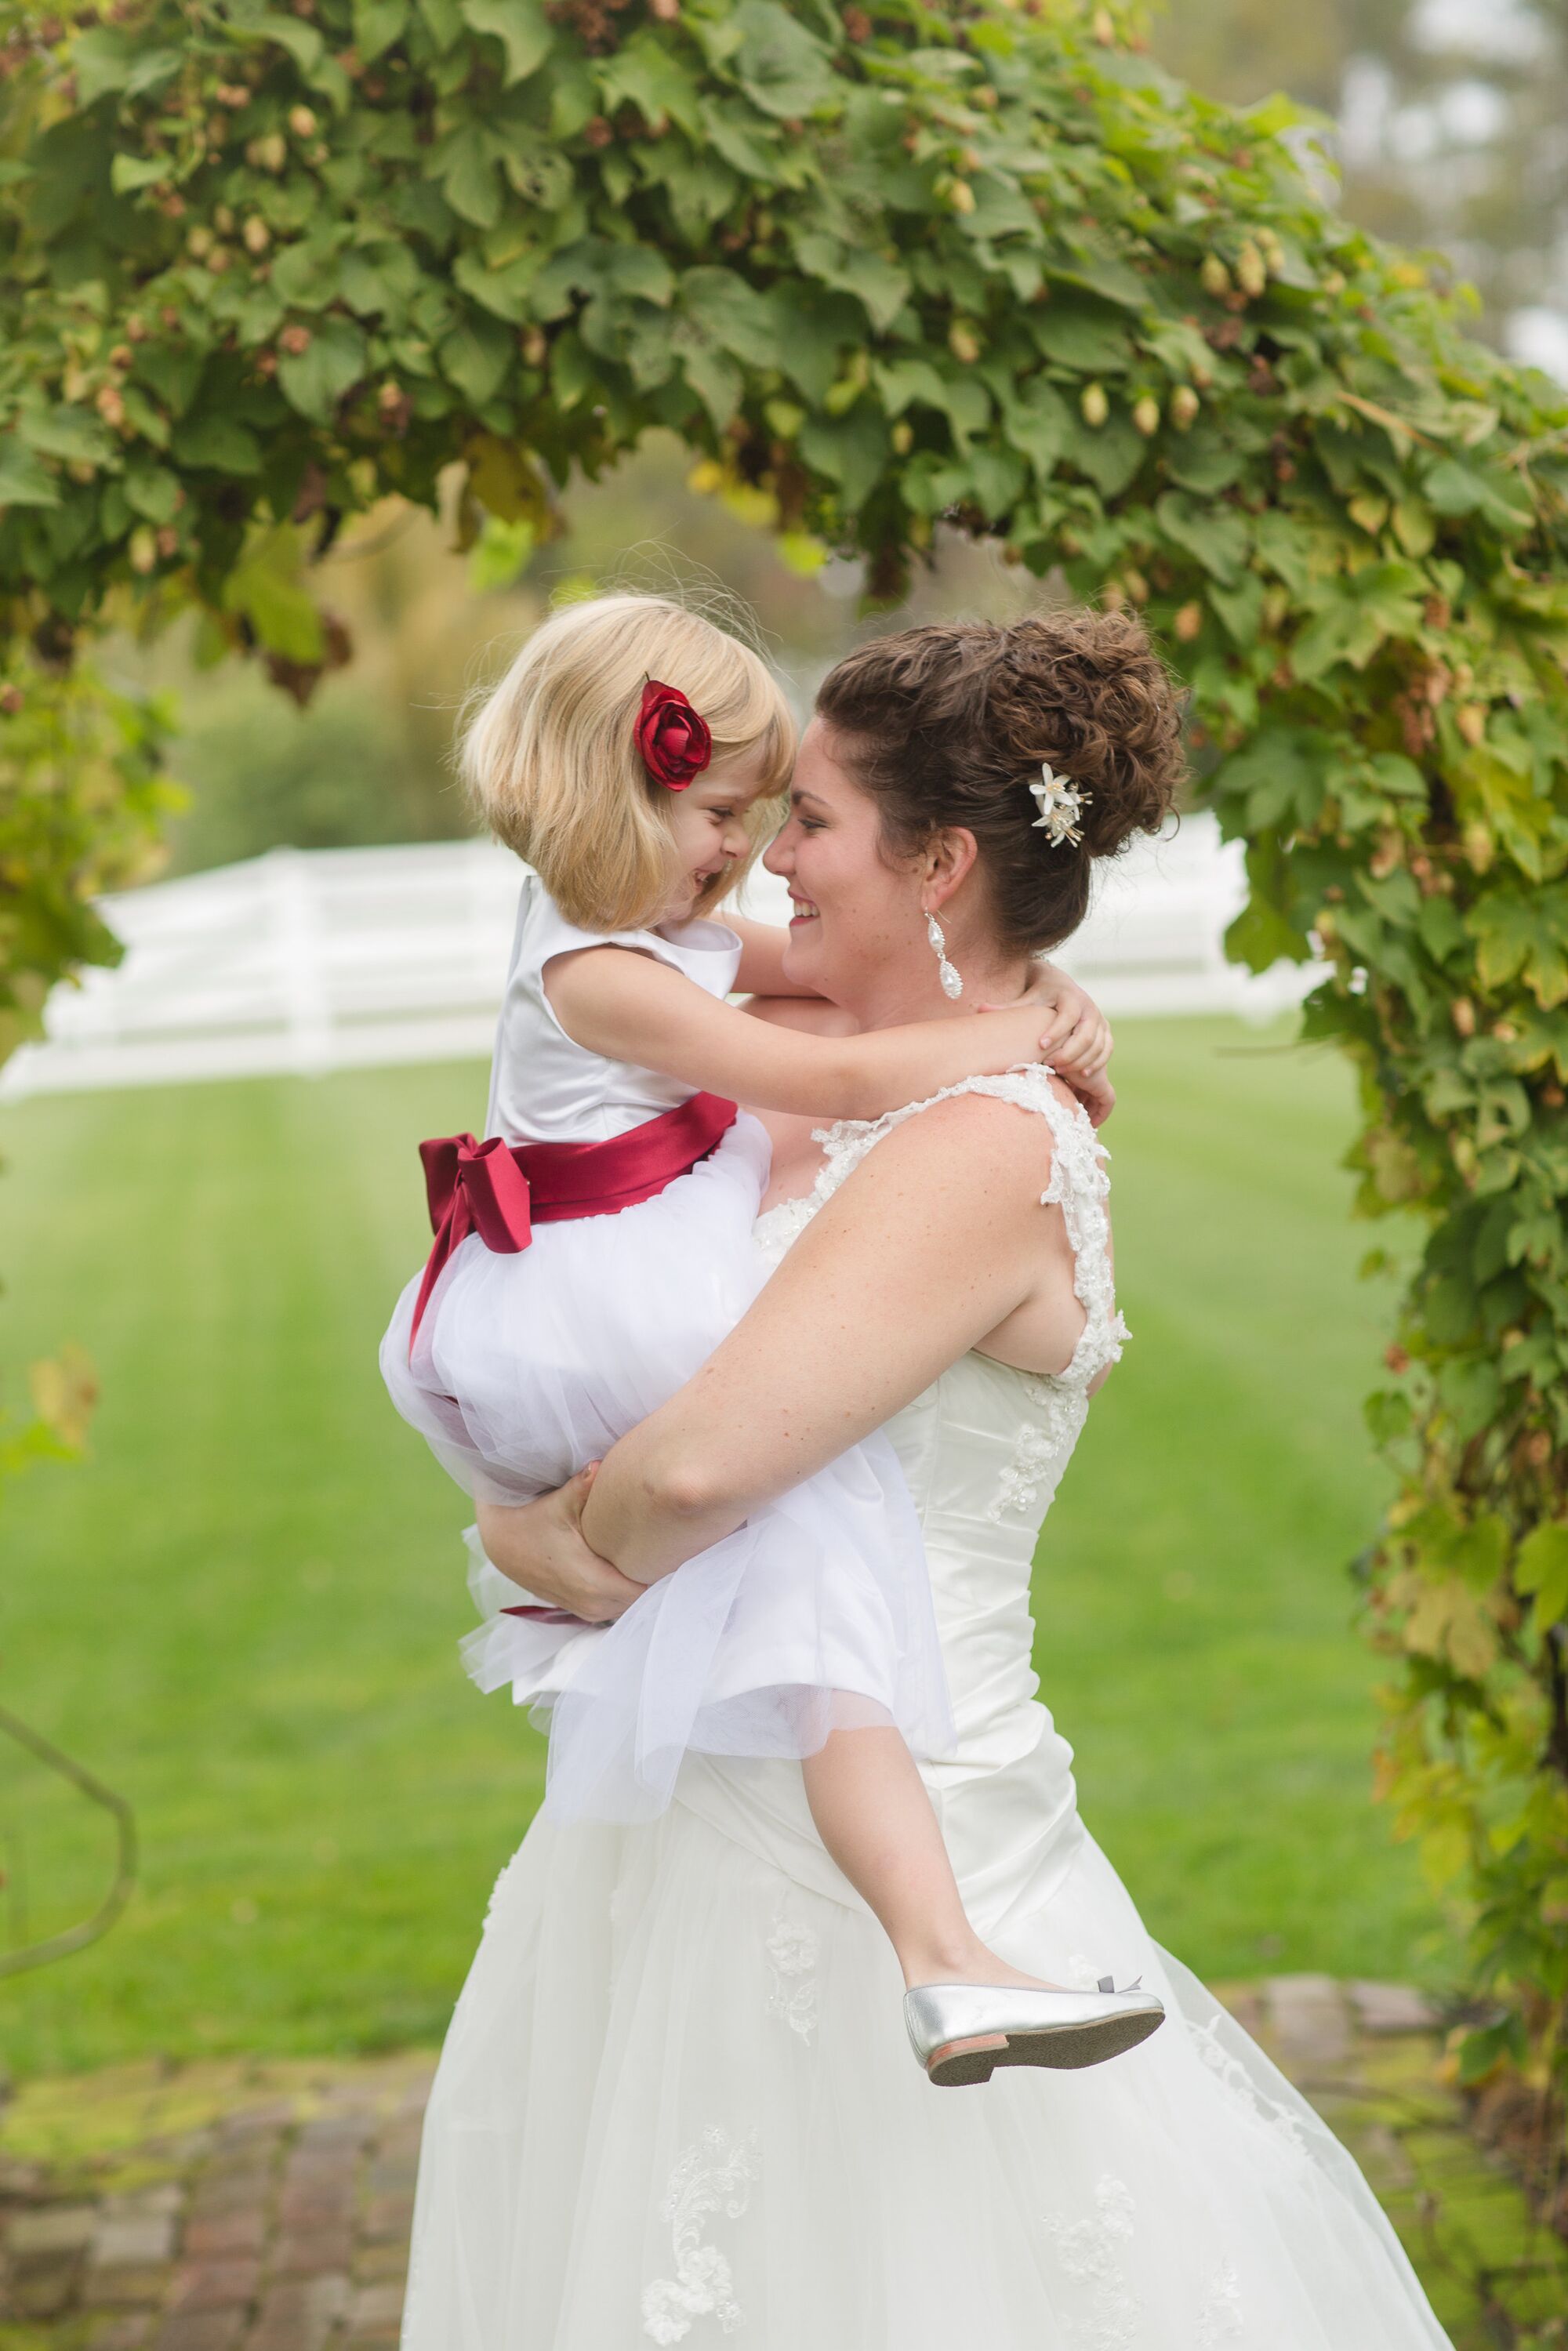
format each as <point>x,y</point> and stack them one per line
<point>854,913</point>
<point>707,825</point>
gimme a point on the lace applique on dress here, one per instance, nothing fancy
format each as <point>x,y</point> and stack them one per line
<point>1092,2252</point>
<point>714,2176</point>
<point>1220,2318</point>
<point>791,1951</point>
<point>1042,1451</point>
<point>1241,2087</point>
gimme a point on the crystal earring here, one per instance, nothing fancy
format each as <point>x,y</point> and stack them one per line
<point>952,985</point>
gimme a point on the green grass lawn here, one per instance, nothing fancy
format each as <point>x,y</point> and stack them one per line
<point>242,1609</point>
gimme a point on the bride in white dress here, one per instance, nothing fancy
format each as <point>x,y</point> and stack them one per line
<point>675,2103</point>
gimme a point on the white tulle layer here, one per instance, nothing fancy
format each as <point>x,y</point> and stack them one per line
<point>677,2103</point>
<point>815,1614</point>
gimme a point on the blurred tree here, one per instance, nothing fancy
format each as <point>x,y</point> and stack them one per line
<point>1450,129</point>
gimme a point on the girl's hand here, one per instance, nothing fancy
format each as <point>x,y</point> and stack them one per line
<point>1076,1039</point>
<point>1098,1096</point>
<point>540,1545</point>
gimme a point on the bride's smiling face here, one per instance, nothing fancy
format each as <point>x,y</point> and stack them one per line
<point>855,913</point>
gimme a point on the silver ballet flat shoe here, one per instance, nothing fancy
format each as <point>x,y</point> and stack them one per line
<point>960,2033</point>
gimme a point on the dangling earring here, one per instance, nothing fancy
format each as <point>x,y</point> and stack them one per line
<point>952,985</point>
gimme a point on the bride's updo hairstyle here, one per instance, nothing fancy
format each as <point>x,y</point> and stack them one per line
<point>949,725</point>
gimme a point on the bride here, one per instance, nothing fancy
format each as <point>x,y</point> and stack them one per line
<point>675,2103</point>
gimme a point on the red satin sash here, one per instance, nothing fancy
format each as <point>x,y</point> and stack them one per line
<point>501,1190</point>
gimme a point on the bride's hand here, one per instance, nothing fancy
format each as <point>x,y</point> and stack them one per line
<point>540,1545</point>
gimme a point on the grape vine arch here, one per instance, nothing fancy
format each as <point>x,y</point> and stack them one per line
<point>265,265</point>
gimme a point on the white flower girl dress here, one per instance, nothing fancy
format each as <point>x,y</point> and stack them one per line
<point>526,1362</point>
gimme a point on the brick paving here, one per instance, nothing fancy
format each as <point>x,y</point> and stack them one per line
<point>278,2221</point>
<point>266,2206</point>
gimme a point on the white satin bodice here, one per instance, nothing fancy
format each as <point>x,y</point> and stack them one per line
<point>546,1088</point>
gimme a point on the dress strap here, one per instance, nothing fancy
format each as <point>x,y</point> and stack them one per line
<point>1078,1187</point>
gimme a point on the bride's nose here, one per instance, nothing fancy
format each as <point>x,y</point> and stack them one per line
<point>776,857</point>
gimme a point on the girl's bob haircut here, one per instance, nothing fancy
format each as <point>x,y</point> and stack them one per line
<point>551,757</point>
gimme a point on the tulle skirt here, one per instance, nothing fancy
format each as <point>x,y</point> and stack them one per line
<point>677,2103</point>
<point>816,1613</point>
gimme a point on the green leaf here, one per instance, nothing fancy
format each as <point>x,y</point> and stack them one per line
<point>476,355</point>
<point>1216,535</point>
<point>1355,616</point>
<point>302,41</point>
<point>646,71</point>
<point>1240,609</point>
<point>152,491</point>
<point>377,25</point>
<point>23,480</point>
<point>151,69</point>
<point>878,285</point>
<point>1206,459</point>
<point>1528,936</point>
<point>1040,424</point>
<point>442,19</point>
<point>73,433</point>
<point>472,183</point>
<point>1541,1570</point>
<point>504,293</point>
<point>713,377</point>
<point>734,314</point>
<point>1260,937</point>
<point>522,28</point>
<point>851,450</point>
<point>952,391</point>
<point>219,444</point>
<point>538,173</point>
<point>1277,776</point>
<point>101,60</point>
<point>129,172</point>
<point>1111,456</point>
<point>314,380</point>
<point>1455,488</point>
<point>1078,332</point>
<point>783,69</point>
<point>266,589</point>
<point>1471,1392</point>
<point>747,147</point>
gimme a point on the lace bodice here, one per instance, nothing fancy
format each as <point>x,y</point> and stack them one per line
<point>984,1449</point>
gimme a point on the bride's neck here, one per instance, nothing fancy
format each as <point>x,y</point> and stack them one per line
<point>895,993</point>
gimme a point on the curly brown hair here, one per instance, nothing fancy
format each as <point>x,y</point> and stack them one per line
<point>949,725</point>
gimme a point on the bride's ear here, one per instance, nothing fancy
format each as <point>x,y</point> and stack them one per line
<point>946,862</point>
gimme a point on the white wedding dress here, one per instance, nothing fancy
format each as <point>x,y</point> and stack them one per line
<point>677,2103</point>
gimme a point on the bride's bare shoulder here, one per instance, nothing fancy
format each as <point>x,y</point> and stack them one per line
<point>989,1151</point>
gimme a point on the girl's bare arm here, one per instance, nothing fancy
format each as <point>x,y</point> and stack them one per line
<point>629,1008</point>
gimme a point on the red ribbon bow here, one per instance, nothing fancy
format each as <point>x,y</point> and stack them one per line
<point>502,1190</point>
<point>472,1188</point>
<point>675,743</point>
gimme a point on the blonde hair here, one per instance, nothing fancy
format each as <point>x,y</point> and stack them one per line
<point>551,759</point>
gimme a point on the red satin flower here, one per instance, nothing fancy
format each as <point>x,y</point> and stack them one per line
<point>674,742</point>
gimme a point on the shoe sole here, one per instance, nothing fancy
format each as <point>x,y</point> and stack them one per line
<point>1061,2047</point>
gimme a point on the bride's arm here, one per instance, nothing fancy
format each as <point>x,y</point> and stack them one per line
<point>932,1242</point>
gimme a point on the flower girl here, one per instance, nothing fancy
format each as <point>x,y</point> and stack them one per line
<point>593,1250</point>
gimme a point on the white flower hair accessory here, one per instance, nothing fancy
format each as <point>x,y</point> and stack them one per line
<point>1062,803</point>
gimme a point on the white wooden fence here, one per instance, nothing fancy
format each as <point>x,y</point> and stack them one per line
<point>307,961</point>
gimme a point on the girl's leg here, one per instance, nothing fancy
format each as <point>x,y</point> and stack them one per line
<point>874,1817</point>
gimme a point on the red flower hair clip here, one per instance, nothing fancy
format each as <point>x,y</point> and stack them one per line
<point>674,742</point>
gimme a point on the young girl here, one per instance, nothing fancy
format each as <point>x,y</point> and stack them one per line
<point>592,1252</point>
